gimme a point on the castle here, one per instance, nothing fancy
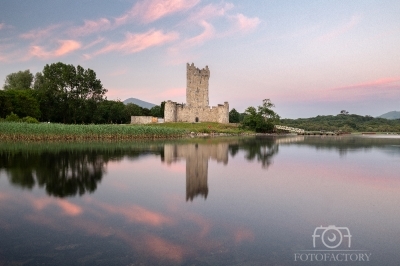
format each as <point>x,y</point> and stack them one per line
<point>196,108</point>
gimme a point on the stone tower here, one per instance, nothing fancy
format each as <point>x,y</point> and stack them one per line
<point>197,86</point>
<point>197,107</point>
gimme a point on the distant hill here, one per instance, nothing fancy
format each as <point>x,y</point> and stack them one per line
<point>391,115</point>
<point>346,123</point>
<point>141,103</point>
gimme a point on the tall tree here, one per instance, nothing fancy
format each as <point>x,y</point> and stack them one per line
<point>261,119</point>
<point>20,80</point>
<point>69,94</point>
<point>21,102</point>
<point>234,116</point>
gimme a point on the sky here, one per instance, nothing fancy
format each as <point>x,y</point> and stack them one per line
<point>308,57</point>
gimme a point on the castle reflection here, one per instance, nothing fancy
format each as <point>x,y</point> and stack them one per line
<point>197,157</point>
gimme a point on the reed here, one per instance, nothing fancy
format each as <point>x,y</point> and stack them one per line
<point>45,132</point>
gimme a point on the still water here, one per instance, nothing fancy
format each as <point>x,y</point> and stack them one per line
<point>293,200</point>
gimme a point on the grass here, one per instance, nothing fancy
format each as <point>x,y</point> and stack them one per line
<point>204,127</point>
<point>45,132</point>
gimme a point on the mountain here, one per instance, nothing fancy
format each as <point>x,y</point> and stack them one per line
<point>141,103</point>
<point>391,115</point>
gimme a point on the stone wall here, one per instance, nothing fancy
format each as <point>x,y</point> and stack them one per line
<point>143,119</point>
<point>196,108</point>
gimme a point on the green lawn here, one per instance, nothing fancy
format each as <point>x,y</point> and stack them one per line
<point>203,127</point>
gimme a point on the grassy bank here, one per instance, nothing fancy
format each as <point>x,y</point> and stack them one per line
<point>204,127</point>
<point>345,123</point>
<point>43,131</point>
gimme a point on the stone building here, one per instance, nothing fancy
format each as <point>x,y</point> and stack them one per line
<point>197,108</point>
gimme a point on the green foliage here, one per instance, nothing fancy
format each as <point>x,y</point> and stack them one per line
<point>266,111</point>
<point>133,109</point>
<point>12,118</point>
<point>21,102</point>
<point>234,116</point>
<point>53,131</point>
<point>261,119</point>
<point>156,111</point>
<point>345,123</point>
<point>203,127</point>
<point>111,112</point>
<point>162,106</point>
<point>20,80</point>
<point>29,119</point>
<point>68,94</point>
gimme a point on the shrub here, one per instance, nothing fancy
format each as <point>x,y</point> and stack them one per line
<point>12,118</point>
<point>29,119</point>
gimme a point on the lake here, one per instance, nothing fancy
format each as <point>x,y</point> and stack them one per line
<point>290,200</point>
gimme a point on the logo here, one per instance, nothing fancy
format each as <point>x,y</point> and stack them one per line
<point>331,236</point>
<point>331,244</point>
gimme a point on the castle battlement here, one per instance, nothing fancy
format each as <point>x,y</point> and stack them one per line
<point>191,70</point>
<point>197,108</point>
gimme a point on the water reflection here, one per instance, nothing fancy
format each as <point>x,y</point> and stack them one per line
<point>197,157</point>
<point>65,170</point>
<point>138,215</point>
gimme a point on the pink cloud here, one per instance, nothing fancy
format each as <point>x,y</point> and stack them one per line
<point>38,34</point>
<point>244,23</point>
<point>4,26</point>
<point>177,52</point>
<point>374,83</point>
<point>91,26</point>
<point>65,47</point>
<point>151,10</point>
<point>118,72</point>
<point>211,11</point>
<point>333,34</point>
<point>162,248</point>
<point>95,42</point>
<point>384,88</point>
<point>138,214</point>
<point>243,234</point>
<point>134,43</point>
<point>67,207</point>
<point>208,33</point>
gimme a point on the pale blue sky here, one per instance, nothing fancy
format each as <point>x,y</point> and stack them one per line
<point>309,57</point>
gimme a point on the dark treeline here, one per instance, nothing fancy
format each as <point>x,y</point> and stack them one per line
<point>64,93</point>
<point>344,122</point>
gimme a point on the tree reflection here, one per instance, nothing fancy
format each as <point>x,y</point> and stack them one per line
<point>198,154</point>
<point>65,172</point>
<point>262,149</point>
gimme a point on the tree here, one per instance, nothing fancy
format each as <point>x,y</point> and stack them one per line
<point>234,116</point>
<point>261,119</point>
<point>20,80</point>
<point>344,112</point>
<point>111,112</point>
<point>133,109</point>
<point>38,81</point>
<point>162,106</point>
<point>156,111</point>
<point>266,111</point>
<point>21,102</point>
<point>68,94</point>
